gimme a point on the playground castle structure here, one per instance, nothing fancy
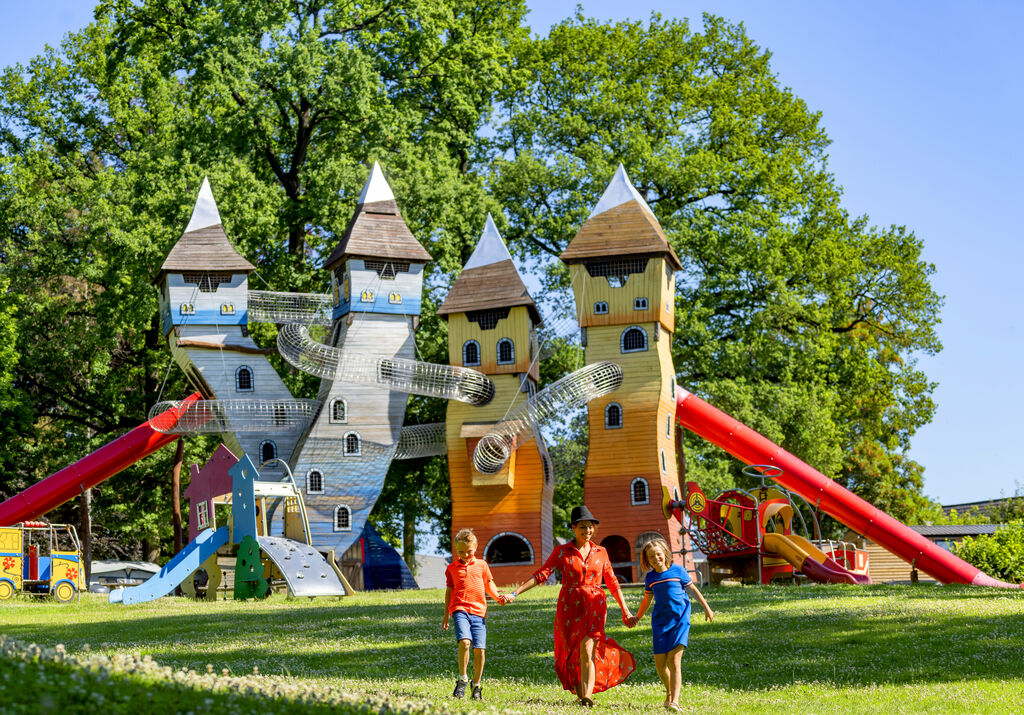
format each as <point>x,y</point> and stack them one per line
<point>341,443</point>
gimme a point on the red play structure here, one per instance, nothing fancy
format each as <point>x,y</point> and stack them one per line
<point>846,507</point>
<point>89,471</point>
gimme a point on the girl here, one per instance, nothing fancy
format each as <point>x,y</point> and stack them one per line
<point>586,660</point>
<point>665,583</point>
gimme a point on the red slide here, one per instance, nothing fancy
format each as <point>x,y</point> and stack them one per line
<point>89,471</point>
<point>843,505</point>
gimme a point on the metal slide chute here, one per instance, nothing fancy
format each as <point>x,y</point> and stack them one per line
<point>832,498</point>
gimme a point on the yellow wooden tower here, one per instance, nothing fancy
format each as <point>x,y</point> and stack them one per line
<point>622,269</point>
<point>492,324</point>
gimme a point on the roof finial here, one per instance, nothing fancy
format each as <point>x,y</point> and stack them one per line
<point>490,249</point>
<point>205,212</point>
<point>619,191</point>
<point>377,187</point>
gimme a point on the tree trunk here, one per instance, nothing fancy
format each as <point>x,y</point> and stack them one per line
<point>409,540</point>
<point>86,534</point>
<point>179,453</point>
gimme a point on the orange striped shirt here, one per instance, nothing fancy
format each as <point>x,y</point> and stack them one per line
<point>469,581</point>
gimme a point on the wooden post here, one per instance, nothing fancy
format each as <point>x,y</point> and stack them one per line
<point>86,535</point>
<point>179,454</point>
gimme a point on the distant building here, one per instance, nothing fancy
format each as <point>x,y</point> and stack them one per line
<point>886,567</point>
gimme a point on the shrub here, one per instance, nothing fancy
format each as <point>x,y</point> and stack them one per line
<point>1000,555</point>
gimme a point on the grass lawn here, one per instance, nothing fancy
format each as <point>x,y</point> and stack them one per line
<point>777,649</point>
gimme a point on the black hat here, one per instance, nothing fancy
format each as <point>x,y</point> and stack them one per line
<point>581,513</point>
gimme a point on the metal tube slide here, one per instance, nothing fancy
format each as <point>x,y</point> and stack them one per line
<point>89,471</point>
<point>843,505</point>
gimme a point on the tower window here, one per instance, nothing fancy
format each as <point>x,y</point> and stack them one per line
<point>634,340</point>
<point>613,416</point>
<point>243,379</point>
<point>353,445</point>
<point>616,270</point>
<point>206,282</point>
<point>395,298</point>
<point>343,517</point>
<point>639,304</point>
<point>639,492</point>
<point>487,319</point>
<point>367,296</point>
<point>339,411</point>
<point>600,308</point>
<point>268,450</point>
<point>471,353</point>
<point>187,309</point>
<point>387,270</point>
<point>314,482</point>
<point>506,352</point>
<point>227,308</point>
<point>664,467</point>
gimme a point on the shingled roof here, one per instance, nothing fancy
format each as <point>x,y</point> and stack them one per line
<point>621,224</point>
<point>377,229</point>
<point>204,246</point>
<point>489,280</point>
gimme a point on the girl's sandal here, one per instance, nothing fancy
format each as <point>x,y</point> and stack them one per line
<point>672,706</point>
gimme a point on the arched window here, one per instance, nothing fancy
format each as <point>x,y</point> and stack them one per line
<point>639,304</point>
<point>639,493</point>
<point>314,482</point>
<point>664,468</point>
<point>353,445</point>
<point>187,309</point>
<point>268,450</point>
<point>339,411</point>
<point>343,518</point>
<point>243,379</point>
<point>506,352</point>
<point>668,425</point>
<point>471,353</point>
<point>508,548</point>
<point>613,416</point>
<point>634,340</point>
<point>600,308</point>
<point>227,308</point>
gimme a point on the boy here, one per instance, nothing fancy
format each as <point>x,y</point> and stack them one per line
<point>468,578</point>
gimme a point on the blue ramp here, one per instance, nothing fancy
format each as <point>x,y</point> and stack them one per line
<point>177,569</point>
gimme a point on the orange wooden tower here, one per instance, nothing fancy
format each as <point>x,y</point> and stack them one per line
<point>492,324</point>
<point>622,269</point>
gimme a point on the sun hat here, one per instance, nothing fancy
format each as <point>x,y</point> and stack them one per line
<point>581,513</point>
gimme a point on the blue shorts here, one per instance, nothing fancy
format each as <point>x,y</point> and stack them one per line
<point>470,628</point>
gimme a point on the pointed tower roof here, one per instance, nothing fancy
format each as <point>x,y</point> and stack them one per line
<point>489,279</point>
<point>621,224</point>
<point>204,246</point>
<point>377,229</point>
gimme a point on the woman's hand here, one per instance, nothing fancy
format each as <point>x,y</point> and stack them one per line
<point>627,617</point>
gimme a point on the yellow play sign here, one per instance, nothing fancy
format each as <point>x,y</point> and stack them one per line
<point>696,502</point>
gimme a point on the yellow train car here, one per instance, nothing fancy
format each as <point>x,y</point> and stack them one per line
<point>40,559</point>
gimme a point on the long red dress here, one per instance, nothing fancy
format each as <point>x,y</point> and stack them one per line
<point>581,611</point>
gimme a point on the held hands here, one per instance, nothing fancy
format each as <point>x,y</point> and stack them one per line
<point>628,619</point>
<point>632,621</point>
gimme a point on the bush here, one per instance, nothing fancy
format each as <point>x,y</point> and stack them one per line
<point>1000,555</point>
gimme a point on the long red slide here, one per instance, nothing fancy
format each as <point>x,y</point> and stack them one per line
<point>89,471</point>
<point>843,505</point>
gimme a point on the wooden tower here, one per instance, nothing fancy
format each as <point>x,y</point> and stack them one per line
<point>492,324</point>
<point>204,284</point>
<point>622,269</point>
<point>377,280</point>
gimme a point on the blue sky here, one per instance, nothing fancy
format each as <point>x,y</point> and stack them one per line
<point>923,102</point>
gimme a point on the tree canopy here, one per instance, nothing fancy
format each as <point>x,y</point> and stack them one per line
<point>795,317</point>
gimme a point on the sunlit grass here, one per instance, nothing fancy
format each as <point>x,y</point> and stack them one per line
<point>805,649</point>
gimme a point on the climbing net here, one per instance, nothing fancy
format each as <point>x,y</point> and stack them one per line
<point>575,389</point>
<point>449,382</point>
<point>217,416</point>
<point>272,307</point>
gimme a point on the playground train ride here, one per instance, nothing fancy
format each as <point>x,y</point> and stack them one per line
<point>40,559</point>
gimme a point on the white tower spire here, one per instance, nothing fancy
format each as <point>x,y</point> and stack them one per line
<point>377,187</point>
<point>620,190</point>
<point>205,213</point>
<point>490,249</point>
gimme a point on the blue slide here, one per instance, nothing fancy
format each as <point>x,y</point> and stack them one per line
<point>177,569</point>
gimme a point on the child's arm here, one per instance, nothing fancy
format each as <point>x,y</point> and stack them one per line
<point>644,604</point>
<point>709,615</point>
<point>492,590</point>
<point>447,602</point>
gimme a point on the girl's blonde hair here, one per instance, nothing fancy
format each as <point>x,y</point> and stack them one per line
<point>659,544</point>
<point>465,536</point>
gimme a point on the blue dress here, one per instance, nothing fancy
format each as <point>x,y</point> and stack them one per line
<point>670,619</point>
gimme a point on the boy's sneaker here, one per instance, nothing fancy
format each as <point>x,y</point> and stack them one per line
<point>460,688</point>
<point>478,693</point>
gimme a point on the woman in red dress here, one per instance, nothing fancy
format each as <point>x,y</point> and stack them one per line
<point>586,660</point>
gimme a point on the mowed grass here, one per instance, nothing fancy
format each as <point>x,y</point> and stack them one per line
<point>815,649</point>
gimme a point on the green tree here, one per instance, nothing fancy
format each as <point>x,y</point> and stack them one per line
<point>103,143</point>
<point>792,316</point>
